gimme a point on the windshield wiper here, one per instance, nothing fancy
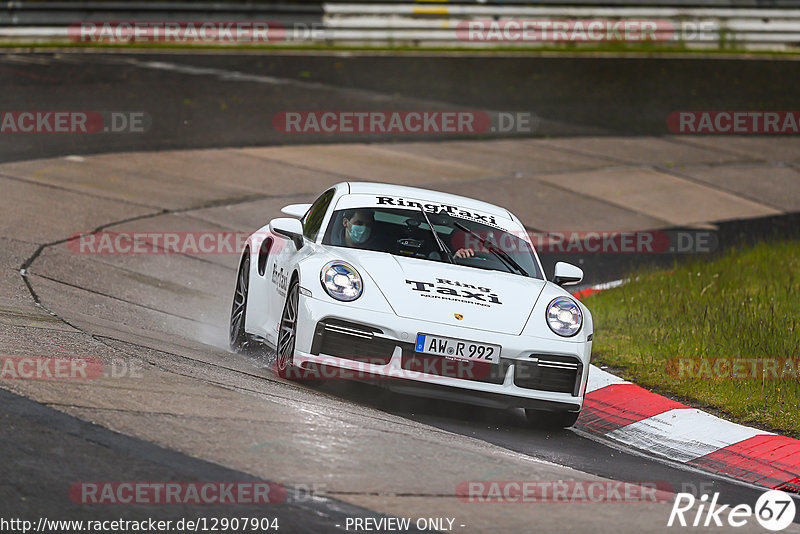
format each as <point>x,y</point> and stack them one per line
<point>442,246</point>
<point>503,255</point>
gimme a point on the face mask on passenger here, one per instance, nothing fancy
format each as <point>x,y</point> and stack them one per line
<point>359,233</point>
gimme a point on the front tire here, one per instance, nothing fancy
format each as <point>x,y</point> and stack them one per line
<point>237,337</point>
<point>552,420</point>
<point>287,335</point>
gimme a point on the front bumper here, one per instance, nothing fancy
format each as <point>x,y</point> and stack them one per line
<point>546,374</point>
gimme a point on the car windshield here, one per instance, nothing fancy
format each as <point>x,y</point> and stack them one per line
<point>406,232</point>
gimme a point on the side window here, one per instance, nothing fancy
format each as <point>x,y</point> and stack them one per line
<point>313,219</point>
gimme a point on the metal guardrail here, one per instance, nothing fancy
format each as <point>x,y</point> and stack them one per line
<point>694,27</point>
<point>434,24</point>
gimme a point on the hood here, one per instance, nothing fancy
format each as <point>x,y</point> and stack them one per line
<point>438,292</point>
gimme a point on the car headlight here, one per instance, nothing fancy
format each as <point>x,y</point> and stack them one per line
<point>564,316</point>
<point>341,281</point>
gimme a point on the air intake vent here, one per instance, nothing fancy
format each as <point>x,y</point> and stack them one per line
<point>352,341</point>
<point>559,374</point>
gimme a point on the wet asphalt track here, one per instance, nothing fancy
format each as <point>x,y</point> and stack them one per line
<point>217,100</point>
<point>192,107</point>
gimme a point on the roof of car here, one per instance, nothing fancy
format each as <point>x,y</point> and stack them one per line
<point>370,188</point>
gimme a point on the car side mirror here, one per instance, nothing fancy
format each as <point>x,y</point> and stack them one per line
<point>567,274</point>
<point>290,228</point>
<point>296,210</point>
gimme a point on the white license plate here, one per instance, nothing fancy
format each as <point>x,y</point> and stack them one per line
<point>457,348</point>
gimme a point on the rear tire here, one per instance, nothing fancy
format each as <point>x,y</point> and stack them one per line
<point>542,419</point>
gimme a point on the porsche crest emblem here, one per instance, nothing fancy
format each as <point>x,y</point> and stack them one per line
<point>458,316</point>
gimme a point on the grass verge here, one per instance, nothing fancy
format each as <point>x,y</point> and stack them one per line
<point>662,326</point>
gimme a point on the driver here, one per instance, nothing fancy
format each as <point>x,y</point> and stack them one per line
<point>358,228</point>
<point>358,225</point>
<point>464,253</point>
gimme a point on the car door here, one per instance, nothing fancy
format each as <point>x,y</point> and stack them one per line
<point>284,255</point>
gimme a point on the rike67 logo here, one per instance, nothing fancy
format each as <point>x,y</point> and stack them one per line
<point>774,510</point>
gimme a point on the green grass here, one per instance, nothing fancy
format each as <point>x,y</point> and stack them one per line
<point>742,304</point>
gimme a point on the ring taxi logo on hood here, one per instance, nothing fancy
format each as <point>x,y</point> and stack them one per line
<point>457,289</point>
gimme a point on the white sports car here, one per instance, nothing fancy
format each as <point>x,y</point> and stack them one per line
<point>423,292</point>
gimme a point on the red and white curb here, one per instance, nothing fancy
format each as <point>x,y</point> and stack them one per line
<point>597,288</point>
<point>633,416</point>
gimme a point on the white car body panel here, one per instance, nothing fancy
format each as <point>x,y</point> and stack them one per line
<point>495,307</point>
<point>487,300</point>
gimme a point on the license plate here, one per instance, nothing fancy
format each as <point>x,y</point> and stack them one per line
<point>457,348</point>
